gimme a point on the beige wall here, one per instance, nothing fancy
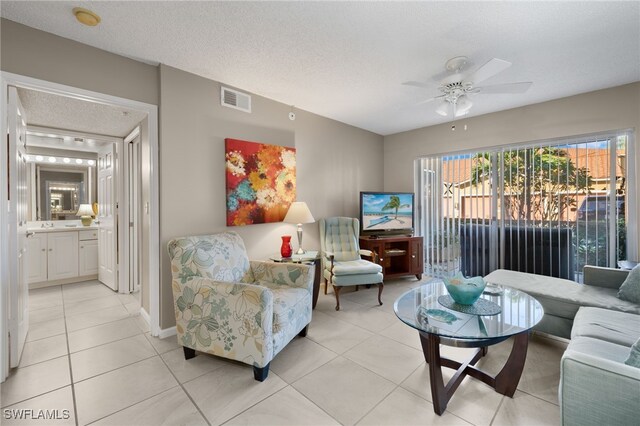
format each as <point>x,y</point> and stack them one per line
<point>38,54</point>
<point>334,163</point>
<point>617,108</point>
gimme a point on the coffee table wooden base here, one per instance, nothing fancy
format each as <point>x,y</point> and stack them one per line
<point>505,382</point>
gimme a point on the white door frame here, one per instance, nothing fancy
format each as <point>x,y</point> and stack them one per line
<point>129,210</point>
<point>10,79</point>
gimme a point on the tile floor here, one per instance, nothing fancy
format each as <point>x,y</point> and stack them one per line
<point>90,353</point>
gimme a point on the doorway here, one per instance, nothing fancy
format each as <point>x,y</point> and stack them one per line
<point>123,159</point>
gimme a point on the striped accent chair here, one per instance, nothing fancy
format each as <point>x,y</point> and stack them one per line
<point>342,264</point>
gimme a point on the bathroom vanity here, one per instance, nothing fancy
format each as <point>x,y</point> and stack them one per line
<point>61,255</point>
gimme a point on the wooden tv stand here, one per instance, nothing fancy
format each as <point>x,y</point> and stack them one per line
<point>398,255</point>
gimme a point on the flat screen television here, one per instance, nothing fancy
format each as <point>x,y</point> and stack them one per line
<point>386,213</point>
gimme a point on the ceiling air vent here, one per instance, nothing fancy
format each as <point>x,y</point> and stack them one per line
<point>234,99</point>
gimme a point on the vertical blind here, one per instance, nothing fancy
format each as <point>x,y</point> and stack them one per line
<point>547,208</point>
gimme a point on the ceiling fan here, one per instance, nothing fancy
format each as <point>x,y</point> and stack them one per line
<point>457,85</point>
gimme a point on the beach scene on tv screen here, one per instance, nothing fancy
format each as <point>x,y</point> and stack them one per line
<point>387,211</point>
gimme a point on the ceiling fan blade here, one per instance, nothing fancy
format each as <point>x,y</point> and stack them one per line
<point>418,84</point>
<point>520,87</point>
<point>491,68</point>
<point>426,101</point>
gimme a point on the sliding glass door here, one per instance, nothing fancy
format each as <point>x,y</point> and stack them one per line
<point>547,208</point>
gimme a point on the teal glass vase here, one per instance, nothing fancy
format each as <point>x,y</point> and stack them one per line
<point>464,291</point>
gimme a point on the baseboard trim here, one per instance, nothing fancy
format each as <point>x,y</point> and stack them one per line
<point>145,316</point>
<point>73,280</point>
<point>551,336</point>
<point>167,332</point>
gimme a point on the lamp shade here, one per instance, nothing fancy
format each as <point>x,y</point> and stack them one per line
<point>85,210</point>
<point>299,213</point>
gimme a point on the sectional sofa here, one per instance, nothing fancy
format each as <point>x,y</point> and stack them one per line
<point>561,299</point>
<point>596,386</point>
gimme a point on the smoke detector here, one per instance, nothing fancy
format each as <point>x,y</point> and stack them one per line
<point>86,17</point>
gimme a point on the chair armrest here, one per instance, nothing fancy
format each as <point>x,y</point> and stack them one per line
<point>229,319</point>
<point>291,274</point>
<point>328,256</point>
<point>371,254</point>
<point>594,390</point>
<point>604,277</point>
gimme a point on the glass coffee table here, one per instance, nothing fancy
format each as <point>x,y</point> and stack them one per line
<point>518,313</point>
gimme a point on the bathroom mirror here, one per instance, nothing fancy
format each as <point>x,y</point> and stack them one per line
<point>58,191</point>
<point>62,198</point>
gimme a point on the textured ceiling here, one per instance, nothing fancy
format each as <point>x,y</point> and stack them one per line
<point>59,112</point>
<point>347,61</point>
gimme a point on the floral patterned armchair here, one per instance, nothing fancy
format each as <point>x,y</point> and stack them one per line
<point>234,308</point>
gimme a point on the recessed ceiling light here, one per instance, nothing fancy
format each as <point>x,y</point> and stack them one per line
<point>91,162</point>
<point>52,159</point>
<point>86,17</point>
<point>66,160</point>
<point>39,158</point>
<point>78,161</point>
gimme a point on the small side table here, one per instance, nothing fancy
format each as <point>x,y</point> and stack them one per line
<point>309,258</point>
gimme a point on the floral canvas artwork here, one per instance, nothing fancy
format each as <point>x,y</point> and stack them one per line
<point>261,182</point>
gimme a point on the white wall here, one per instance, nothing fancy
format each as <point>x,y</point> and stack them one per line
<point>334,162</point>
<point>616,108</point>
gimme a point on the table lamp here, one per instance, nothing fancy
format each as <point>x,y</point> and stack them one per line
<point>299,213</point>
<point>85,212</point>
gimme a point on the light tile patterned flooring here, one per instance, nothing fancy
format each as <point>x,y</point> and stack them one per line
<point>89,352</point>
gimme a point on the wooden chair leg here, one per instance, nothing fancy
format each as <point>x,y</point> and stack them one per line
<point>380,287</point>
<point>336,290</point>
<point>303,332</point>
<point>188,352</point>
<point>260,374</point>
<point>357,287</point>
<point>326,285</point>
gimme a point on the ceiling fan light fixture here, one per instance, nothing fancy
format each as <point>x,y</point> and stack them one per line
<point>443,109</point>
<point>463,105</point>
<point>461,113</point>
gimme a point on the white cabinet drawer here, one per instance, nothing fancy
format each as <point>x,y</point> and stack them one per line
<point>88,235</point>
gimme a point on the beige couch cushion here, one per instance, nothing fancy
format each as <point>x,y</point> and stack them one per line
<point>599,348</point>
<point>561,297</point>
<point>611,326</point>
